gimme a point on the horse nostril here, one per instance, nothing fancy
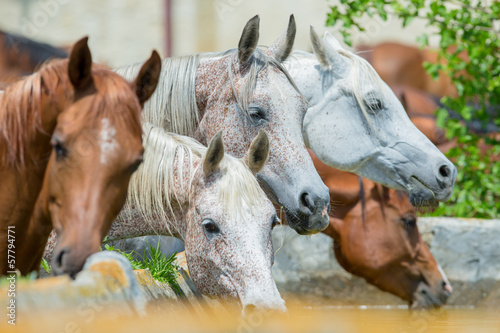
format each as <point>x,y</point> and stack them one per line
<point>59,258</point>
<point>444,171</point>
<point>305,200</point>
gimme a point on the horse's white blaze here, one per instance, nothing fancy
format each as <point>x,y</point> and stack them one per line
<point>107,142</point>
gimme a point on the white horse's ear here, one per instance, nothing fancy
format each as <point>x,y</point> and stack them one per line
<point>327,55</point>
<point>248,40</point>
<point>258,152</point>
<point>214,155</point>
<point>282,47</point>
<point>319,49</point>
<point>332,41</point>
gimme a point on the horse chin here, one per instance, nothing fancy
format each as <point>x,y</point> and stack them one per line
<point>421,195</point>
<point>297,224</point>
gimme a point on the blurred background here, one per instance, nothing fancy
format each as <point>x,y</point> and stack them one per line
<point>124,31</point>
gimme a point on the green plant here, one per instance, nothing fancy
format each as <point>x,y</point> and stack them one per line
<point>162,268</point>
<point>45,266</point>
<point>468,27</point>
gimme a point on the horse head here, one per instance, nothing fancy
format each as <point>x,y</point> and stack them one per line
<point>357,124</point>
<point>228,234</point>
<point>97,145</point>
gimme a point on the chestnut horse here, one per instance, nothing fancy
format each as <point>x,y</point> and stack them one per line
<point>213,202</point>
<point>376,237</point>
<point>23,55</point>
<point>76,127</point>
<point>240,92</point>
<point>399,64</point>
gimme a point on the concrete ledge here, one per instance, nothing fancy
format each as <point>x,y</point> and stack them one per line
<point>107,279</point>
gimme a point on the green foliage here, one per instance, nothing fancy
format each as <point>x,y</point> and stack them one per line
<point>468,27</point>
<point>162,268</point>
<point>45,266</point>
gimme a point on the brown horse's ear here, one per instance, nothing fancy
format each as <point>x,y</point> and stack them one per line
<point>80,65</point>
<point>319,49</point>
<point>147,80</point>
<point>214,155</point>
<point>248,40</point>
<point>258,152</point>
<point>282,47</point>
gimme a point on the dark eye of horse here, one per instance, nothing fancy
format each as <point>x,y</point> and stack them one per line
<point>257,114</point>
<point>58,147</point>
<point>135,165</point>
<point>374,105</point>
<point>210,228</point>
<point>409,221</point>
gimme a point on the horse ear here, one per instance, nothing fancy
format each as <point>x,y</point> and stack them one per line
<point>214,155</point>
<point>332,41</point>
<point>282,47</point>
<point>147,80</point>
<point>80,65</point>
<point>249,39</point>
<point>258,152</point>
<point>319,49</point>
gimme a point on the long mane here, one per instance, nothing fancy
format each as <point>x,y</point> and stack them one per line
<point>169,170</point>
<point>173,104</point>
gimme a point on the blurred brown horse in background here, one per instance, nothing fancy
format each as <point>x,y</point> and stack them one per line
<point>399,64</point>
<point>20,56</point>
<point>376,237</point>
<point>83,121</point>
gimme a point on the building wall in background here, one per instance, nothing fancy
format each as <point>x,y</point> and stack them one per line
<point>125,31</point>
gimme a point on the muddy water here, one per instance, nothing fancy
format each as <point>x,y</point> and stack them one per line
<point>299,319</point>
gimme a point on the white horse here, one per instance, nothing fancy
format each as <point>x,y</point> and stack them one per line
<point>213,202</point>
<point>239,92</point>
<point>355,123</point>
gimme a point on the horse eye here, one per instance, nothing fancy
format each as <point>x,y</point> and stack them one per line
<point>58,147</point>
<point>375,105</point>
<point>210,227</point>
<point>257,114</point>
<point>409,221</point>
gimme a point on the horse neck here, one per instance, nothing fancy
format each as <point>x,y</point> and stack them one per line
<point>206,79</point>
<point>304,70</point>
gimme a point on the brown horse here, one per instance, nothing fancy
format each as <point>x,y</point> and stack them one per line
<point>83,121</point>
<point>24,55</point>
<point>399,64</point>
<point>376,237</point>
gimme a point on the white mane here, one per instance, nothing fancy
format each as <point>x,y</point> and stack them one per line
<point>173,104</point>
<point>154,186</point>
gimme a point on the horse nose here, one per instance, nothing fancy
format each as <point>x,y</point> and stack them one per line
<point>447,289</point>
<point>316,208</point>
<point>62,265</point>
<point>57,262</point>
<point>254,309</point>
